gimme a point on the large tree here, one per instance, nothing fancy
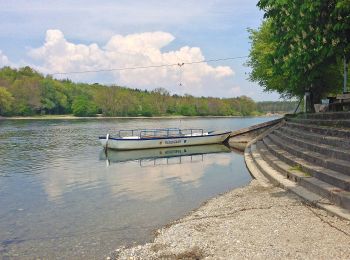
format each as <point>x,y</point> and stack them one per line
<point>301,45</point>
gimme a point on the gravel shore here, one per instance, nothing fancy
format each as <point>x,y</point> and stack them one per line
<point>252,222</point>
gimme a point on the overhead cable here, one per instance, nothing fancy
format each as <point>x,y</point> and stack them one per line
<point>148,67</point>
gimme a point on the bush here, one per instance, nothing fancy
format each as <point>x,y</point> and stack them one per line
<point>6,101</point>
<point>83,107</point>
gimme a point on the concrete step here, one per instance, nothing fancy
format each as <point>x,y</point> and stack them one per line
<point>329,191</point>
<point>254,171</point>
<point>273,176</point>
<point>312,157</point>
<point>322,130</point>
<point>328,150</point>
<point>336,123</point>
<point>283,182</point>
<point>335,178</point>
<point>319,138</point>
<point>327,115</point>
<point>266,154</point>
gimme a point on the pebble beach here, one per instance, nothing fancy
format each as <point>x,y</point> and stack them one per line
<point>253,222</point>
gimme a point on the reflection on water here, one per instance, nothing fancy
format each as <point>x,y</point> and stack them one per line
<point>59,198</point>
<point>180,165</point>
<point>182,153</point>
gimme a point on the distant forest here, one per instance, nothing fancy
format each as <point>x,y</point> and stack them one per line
<point>277,106</point>
<point>25,92</point>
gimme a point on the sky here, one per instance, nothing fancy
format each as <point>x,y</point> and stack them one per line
<point>74,36</point>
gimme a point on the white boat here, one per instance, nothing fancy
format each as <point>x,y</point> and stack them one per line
<point>158,138</point>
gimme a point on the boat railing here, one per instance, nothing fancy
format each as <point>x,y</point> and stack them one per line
<point>182,159</point>
<point>137,132</point>
<point>192,131</point>
<point>164,132</point>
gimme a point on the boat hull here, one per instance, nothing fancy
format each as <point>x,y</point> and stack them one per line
<point>147,143</point>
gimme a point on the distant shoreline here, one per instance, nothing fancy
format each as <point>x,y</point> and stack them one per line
<point>71,117</point>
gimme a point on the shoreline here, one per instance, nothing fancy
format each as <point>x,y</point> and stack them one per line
<point>71,117</point>
<point>248,222</point>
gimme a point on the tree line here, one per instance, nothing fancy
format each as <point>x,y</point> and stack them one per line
<point>25,92</point>
<point>301,46</point>
<point>277,106</point>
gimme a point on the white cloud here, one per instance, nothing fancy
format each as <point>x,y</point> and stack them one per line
<point>3,60</point>
<point>147,182</point>
<point>235,91</point>
<point>151,183</point>
<point>209,24</point>
<point>134,50</point>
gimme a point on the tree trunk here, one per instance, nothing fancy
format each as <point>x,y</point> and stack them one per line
<point>345,75</point>
<point>313,98</point>
<point>309,102</point>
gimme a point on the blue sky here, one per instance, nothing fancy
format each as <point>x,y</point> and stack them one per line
<point>60,36</point>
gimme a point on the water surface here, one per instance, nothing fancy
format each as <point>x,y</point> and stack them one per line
<point>61,197</point>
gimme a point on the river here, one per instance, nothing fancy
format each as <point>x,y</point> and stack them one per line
<point>61,197</point>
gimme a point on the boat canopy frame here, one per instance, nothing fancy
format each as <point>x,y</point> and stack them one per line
<point>161,132</point>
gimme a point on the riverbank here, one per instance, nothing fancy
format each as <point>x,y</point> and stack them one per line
<point>70,117</point>
<point>249,222</point>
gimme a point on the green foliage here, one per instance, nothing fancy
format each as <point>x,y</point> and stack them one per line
<point>277,106</point>
<point>82,106</point>
<point>6,101</point>
<point>261,54</point>
<point>30,93</point>
<point>300,46</point>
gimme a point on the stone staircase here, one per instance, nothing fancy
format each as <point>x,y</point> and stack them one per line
<point>309,155</point>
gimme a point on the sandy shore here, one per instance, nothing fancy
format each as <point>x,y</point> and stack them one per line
<point>252,222</point>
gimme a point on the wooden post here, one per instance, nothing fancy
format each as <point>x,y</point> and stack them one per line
<point>106,147</point>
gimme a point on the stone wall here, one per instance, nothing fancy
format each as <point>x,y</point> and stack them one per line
<point>240,138</point>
